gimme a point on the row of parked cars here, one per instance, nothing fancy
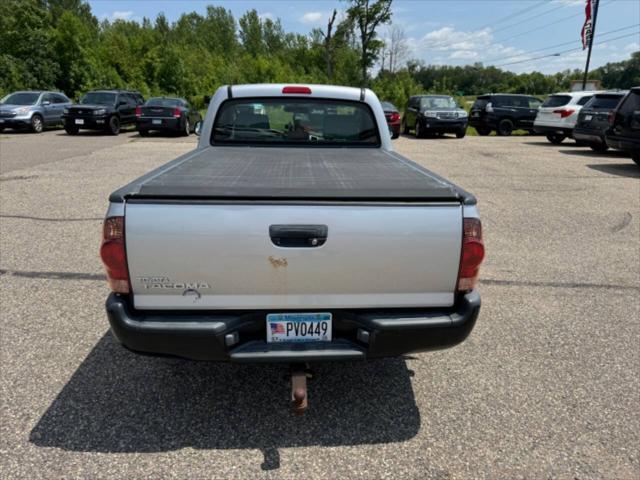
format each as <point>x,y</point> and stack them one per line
<point>600,120</point>
<point>106,110</point>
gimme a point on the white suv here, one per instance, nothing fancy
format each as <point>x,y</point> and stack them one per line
<point>558,114</point>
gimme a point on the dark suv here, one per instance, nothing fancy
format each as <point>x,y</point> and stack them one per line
<point>624,131</point>
<point>593,120</point>
<point>503,113</point>
<point>102,110</point>
<point>438,114</point>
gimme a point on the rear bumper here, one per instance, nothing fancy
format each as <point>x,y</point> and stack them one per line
<point>201,336</point>
<point>626,144</point>
<point>545,129</point>
<point>394,128</point>
<point>168,123</point>
<point>589,135</point>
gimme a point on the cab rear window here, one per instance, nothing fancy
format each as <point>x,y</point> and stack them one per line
<point>295,121</point>
<point>556,101</point>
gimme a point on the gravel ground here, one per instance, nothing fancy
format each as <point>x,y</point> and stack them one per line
<point>547,385</point>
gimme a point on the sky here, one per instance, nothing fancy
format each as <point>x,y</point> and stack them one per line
<point>516,35</point>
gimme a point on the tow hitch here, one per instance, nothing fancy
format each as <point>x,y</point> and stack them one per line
<point>299,396</point>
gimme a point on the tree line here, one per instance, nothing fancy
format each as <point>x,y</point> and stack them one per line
<point>60,44</point>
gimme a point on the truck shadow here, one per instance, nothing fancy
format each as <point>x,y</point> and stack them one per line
<point>117,401</point>
<point>629,169</point>
<point>587,152</point>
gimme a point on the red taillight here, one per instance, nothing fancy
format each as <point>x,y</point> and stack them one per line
<point>612,117</point>
<point>113,254</point>
<point>138,111</point>
<point>564,112</point>
<point>297,90</point>
<point>394,117</point>
<point>472,254</point>
<point>177,113</point>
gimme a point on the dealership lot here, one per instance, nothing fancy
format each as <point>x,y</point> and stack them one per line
<point>546,386</point>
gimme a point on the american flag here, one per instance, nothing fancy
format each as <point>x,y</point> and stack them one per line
<point>277,328</point>
<point>587,28</point>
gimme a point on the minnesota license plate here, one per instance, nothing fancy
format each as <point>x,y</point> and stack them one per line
<point>299,327</point>
<point>79,121</point>
<point>157,122</point>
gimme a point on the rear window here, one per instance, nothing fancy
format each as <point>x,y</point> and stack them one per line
<point>388,107</point>
<point>163,102</point>
<point>606,102</point>
<point>557,101</point>
<point>295,121</point>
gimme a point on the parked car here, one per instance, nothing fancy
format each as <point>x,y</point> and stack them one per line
<point>107,110</point>
<point>392,114</point>
<point>624,131</point>
<point>503,113</point>
<point>166,114</point>
<point>266,243</point>
<point>593,120</point>
<point>34,110</point>
<point>434,114</point>
<point>558,115</point>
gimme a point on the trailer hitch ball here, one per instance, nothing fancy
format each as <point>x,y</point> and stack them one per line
<point>299,396</point>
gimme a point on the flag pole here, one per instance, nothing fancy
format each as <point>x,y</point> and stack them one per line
<point>593,34</point>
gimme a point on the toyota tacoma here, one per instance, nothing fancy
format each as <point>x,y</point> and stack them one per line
<point>292,233</point>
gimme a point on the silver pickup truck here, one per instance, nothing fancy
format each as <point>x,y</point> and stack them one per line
<point>292,233</point>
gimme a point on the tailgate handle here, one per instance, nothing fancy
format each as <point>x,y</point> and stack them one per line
<point>302,236</point>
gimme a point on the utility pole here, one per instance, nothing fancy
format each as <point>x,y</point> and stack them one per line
<point>593,34</point>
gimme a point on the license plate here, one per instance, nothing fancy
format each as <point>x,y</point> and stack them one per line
<point>588,118</point>
<point>475,114</point>
<point>79,121</point>
<point>156,122</point>
<point>298,327</point>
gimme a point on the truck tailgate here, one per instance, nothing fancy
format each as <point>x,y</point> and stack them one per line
<point>220,255</point>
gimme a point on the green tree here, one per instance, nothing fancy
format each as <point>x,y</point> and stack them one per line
<point>27,57</point>
<point>367,16</point>
<point>71,39</point>
<point>219,32</point>
<point>251,33</point>
<point>625,74</point>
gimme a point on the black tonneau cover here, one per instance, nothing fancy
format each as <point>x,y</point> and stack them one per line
<point>275,173</point>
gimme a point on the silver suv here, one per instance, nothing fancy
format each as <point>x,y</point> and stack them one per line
<point>34,110</point>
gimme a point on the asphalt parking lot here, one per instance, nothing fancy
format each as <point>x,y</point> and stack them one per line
<point>547,385</point>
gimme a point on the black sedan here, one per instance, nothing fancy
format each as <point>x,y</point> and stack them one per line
<point>166,114</point>
<point>392,115</point>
